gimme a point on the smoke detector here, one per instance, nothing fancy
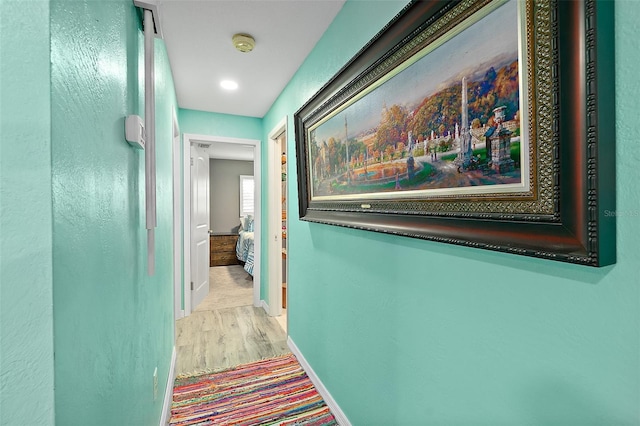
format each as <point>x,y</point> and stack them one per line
<point>243,42</point>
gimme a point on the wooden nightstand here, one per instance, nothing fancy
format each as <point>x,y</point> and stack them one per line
<point>223,249</point>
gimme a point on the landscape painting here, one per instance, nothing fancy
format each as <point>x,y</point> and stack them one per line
<point>446,121</point>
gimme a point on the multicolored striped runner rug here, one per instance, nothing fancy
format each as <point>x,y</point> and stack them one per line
<point>273,391</point>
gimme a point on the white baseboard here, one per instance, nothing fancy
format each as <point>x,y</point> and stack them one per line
<point>265,306</point>
<point>168,393</point>
<point>337,412</point>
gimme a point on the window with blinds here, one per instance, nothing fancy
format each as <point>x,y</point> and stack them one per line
<point>246,195</point>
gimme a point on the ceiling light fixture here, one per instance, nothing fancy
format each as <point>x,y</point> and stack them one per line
<point>229,84</point>
<point>243,42</point>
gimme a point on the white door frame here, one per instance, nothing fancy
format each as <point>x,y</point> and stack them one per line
<point>178,312</point>
<point>186,176</point>
<point>275,219</point>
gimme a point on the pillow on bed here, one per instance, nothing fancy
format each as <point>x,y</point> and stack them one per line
<point>246,223</point>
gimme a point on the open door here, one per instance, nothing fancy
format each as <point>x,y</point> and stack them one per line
<point>199,225</point>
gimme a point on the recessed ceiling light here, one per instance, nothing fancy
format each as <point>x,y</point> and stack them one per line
<point>229,84</point>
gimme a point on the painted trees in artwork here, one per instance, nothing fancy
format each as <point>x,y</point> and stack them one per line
<point>388,152</point>
<point>392,127</point>
<point>336,155</point>
<point>497,88</point>
<point>440,112</point>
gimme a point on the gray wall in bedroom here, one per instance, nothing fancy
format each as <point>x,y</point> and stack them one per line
<point>224,185</point>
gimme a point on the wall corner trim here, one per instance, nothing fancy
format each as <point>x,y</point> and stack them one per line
<point>337,412</point>
<point>168,393</point>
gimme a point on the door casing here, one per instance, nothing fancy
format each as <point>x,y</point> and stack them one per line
<point>177,221</point>
<point>275,219</point>
<point>187,139</point>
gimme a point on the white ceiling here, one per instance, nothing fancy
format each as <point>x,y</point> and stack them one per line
<point>198,35</point>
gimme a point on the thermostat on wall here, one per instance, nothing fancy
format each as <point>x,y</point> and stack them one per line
<point>134,131</point>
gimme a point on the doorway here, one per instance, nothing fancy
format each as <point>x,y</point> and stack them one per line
<point>278,225</point>
<point>188,140</point>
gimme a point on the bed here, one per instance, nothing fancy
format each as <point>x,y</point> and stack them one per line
<point>244,246</point>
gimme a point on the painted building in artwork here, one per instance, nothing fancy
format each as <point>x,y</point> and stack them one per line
<point>498,143</point>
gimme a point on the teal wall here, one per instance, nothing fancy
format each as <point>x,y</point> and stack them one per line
<point>26,301</point>
<point>113,324</point>
<point>216,124</point>
<point>403,331</point>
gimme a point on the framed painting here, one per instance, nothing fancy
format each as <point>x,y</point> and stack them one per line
<point>486,123</point>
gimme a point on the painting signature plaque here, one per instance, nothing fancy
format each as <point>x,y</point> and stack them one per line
<point>486,123</point>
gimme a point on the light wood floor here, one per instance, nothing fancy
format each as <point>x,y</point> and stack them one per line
<point>215,338</point>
